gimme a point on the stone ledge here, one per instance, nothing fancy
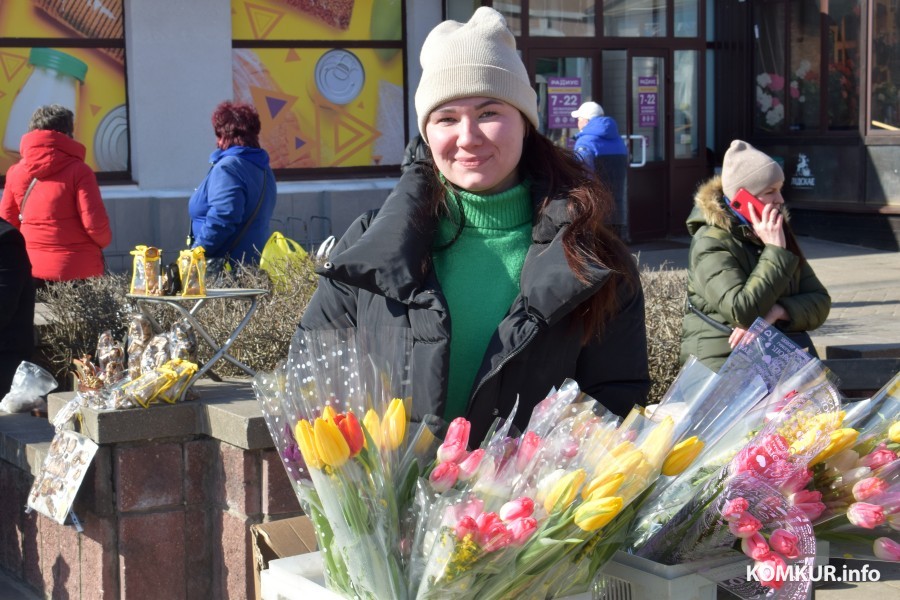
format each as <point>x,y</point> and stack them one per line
<point>226,411</point>
<point>24,440</point>
<point>863,375</point>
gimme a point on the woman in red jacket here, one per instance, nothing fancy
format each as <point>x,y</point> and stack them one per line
<point>63,219</point>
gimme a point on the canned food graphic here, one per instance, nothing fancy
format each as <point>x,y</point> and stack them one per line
<point>339,77</point>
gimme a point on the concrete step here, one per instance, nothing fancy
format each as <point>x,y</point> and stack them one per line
<point>862,377</point>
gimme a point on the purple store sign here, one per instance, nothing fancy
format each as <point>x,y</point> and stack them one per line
<point>563,96</point>
<point>648,97</point>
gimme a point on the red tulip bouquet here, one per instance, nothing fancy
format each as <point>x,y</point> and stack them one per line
<point>338,411</point>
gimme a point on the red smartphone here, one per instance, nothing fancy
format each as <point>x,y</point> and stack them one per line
<point>742,201</point>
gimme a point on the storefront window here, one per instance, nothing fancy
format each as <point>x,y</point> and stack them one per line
<point>770,68</point>
<point>843,63</point>
<point>686,18</point>
<point>561,18</point>
<point>644,18</point>
<point>885,73</point>
<point>327,81</point>
<point>562,84</point>
<point>687,144</point>
<point>511,10</point>
<point>804,80</point>
<point>59,53</point>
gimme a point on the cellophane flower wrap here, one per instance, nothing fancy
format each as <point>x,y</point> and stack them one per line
<point>856,479</point>
<point>502,520</point>
<point>338,411</point>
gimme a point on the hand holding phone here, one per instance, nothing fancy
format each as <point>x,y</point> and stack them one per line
<point>742,202</point>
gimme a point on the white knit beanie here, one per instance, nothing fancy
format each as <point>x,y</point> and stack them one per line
<point>746,167</point>
<point>478,58</point>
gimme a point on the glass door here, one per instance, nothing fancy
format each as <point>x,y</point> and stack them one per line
<point>635,94</point>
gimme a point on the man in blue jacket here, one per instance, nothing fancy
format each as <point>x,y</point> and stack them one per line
<point>600,146</point>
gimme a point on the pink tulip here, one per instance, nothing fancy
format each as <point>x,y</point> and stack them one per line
<point>492,533</point>
<point>455,512</point>
<point>444,476</point>
<point>770,571</point>
<point>569,448</point>
<point>466,526</point>
<point>755,546</point>
<point>810,502</point>
<point>521,529</point>
<point>785,542</point>
<point>487,520</point>
<point>763,455</point>
<point>869,487</point>
<point>735,508</point>
<point>865,515</point>
<point>797,482</point>
<point>887,549</point>
<point>878,457</point>
<point>517,509</point>
<point>745,526</point>
<point>455,442</point>
<point>469,465</point>
<point>528,446</point>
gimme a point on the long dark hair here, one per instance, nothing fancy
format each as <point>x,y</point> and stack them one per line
<point>588,240</point>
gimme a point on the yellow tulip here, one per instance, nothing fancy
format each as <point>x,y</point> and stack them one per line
<point>330,443</point>
<point>563,491</point>
<point>393,424</point>
<point>373,425</point>
<point>328,413</point>
<point>623,448</point>
<point>840,440</point>
<point>682,455</point>
<point>894,432</point>
<point>306,440</point>
<point>594,514</point>
<point>658,443</point>
<point>600,487</point>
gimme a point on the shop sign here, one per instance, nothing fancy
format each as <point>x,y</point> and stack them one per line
<point>648,105</point>
<point>803,177</point>
<point>563,97</point>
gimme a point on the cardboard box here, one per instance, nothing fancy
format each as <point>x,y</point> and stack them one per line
<point>280,539</point>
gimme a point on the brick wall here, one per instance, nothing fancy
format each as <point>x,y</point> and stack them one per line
<point>162,519</point>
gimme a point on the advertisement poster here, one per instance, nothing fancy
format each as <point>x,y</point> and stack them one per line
<point>89,81</point>
<point>563,96</point>
<point>648,96</point>
<point>56,485</point>
<point>335,106</point>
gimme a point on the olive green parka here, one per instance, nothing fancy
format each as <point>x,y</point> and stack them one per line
<point>734,278</point>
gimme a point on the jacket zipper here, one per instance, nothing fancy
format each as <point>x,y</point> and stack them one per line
<point>497,369</point>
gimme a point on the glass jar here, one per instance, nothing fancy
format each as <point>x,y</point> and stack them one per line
<point>54,80</point>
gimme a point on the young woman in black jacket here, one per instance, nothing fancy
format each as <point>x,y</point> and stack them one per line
<point>495,255</point>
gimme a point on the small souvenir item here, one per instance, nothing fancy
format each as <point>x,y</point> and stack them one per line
<point>192,267</point>
<point>145,272</point>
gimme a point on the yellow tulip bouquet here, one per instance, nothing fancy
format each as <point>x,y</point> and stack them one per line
<point>503,520</point>
<point>337,410</point>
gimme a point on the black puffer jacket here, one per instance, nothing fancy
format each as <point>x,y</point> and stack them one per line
<point>16,304</point>
<point>380,275</point>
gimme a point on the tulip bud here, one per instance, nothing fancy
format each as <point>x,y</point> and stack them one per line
<point>657,444</point>
<point>373,425</point>
<point>887,549</point>
<point>865,515</point>
<point>843,461</point>
<point>330,443</point>
<point>563,492</point>
<point>521,529</point>
<point>352,432</point>
<point>528,446</point>
<point>328,413</point>
<point>755,546</point>
<point>454,446</point>
<point>878,457</point>
<point>393,424</point>
<point>841,439</point>
<point>517,509</point>
<point>682,455</point>
<point>594,514</point>
<point>465,527</point>
<point>745,525</point>
<point>869,487</point>
<point>785,542</point>
<point>771,569</point>
<point>734,508</point>
<point>469,465</point>
<point>306,439</point>
<point>444,476</point>
<point>894,432</point>
<point>601,487</point>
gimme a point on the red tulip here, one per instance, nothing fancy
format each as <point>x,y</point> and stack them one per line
<point>466,526</point>
<point>351,430</point>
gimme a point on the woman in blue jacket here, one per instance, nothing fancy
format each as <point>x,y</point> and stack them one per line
<point>230,211</point>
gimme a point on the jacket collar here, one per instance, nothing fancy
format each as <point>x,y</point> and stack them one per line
<point>710,209</point>
<point>393,256</point>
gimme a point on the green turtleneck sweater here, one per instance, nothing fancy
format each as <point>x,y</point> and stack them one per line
<point>479,274</point>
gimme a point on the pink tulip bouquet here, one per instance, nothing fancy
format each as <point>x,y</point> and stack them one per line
<point>338,413</point>
<point>500,521</point>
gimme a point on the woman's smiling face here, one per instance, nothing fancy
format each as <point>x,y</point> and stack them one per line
<point>477,143</point>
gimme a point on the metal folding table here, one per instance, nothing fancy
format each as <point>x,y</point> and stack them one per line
<point>189,306</point>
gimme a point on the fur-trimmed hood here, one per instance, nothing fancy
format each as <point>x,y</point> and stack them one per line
<point>710,209</point>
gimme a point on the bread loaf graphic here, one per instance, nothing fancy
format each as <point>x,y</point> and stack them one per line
<point>334,12</point>
<point>98,19</point>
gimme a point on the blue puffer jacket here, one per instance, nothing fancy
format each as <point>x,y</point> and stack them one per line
<point>600,137</point>
<point>227,198</point>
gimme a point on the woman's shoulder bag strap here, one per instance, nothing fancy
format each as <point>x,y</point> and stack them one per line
<point>25,199</point>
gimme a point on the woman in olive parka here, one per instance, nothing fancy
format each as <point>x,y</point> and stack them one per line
<point>740,270</point>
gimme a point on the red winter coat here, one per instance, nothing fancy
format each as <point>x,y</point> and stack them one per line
<point>65,223</point>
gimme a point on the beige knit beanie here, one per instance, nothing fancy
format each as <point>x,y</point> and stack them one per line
<point>746,167</point>
<point>477,58</point>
